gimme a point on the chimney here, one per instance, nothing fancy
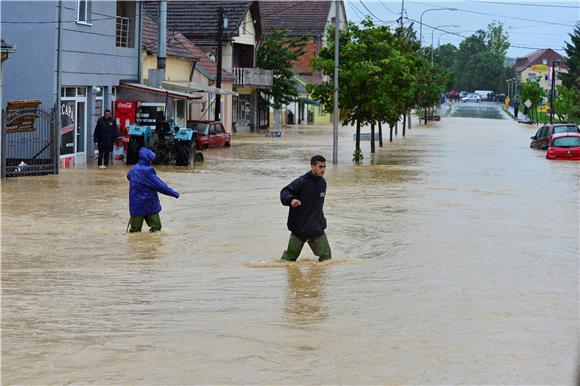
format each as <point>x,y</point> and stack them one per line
<point>157,76</point>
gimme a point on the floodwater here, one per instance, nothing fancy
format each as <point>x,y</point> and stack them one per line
<point>479,110</point>
<point>455,261</point>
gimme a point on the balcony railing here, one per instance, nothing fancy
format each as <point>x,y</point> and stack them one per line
<point>252,77</point>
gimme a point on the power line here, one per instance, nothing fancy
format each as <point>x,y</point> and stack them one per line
<point>525,4</point>
<point>372,14</point>
<point>496,15</point>
<point>465,37</point>
<point>356,10</point>
<point>387,8</point>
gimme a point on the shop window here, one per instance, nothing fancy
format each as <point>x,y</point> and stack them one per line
<point>68,92</point>
<point>125,24</point>
<point>83,11</point>
<point>82,91</point>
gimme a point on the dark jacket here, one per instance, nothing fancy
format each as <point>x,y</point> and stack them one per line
<point>306,221</point>
<point>144,185</point>
<point>105,133</point>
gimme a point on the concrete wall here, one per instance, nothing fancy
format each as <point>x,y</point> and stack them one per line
<point>30,71</point>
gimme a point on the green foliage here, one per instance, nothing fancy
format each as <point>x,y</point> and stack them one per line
<point>478,63</point>
<point>567,103</point>
<point>278,53</point>
<point>532,90</point>
<point>572,78</point>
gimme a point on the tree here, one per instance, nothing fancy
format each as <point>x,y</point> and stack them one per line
<point>479,61</point>
<point>377,75</point>
<point>278,53</point>
<point>497,39</point>
<point>572,78</point>
<point>532,90</point>
<point>567,104</point>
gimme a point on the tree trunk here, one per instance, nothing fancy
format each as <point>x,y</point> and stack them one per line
<point>397,128</point>
<point>373,137</point>
<point>404,123</point>
<point>357,146</point>
<point>380,134</point>
<point>425,116</point>
<point>391,133</point>
<point>410,114</point>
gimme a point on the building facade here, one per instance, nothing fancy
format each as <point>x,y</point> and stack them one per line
<point>538,66</point>
<point>199,21</point>
<point>71,55</point>
<point>290,16</point>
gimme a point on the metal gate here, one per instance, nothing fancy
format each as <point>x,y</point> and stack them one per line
<point>29,142</point>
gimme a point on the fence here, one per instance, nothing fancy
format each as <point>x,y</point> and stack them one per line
<point>29,142</point>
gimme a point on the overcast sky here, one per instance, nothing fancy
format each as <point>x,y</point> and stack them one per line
<point>530,24</point>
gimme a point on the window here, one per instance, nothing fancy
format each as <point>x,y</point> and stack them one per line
<point>545,77</point>
<point>532,76</point>
<point>543,132</point>
<point>83,11</point>
<point>212,129</point>
<point>125,24</point>
<point>567,142</point>
<point>180,113</point>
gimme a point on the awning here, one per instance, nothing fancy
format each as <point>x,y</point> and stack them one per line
<point>196,87</point>
<point>160,90</point>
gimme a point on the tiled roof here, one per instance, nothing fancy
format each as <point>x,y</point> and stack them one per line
<point>177,45</point>
<point>298,17</point>
<point>180,47</point>
<point>537,57</point>
<point>198,20</point>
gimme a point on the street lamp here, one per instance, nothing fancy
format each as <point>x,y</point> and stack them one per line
<point>421,19</point>
<point>433,31</point>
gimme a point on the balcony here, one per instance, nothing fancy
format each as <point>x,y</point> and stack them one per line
<point>252,77</point>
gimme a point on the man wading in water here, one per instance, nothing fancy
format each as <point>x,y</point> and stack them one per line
<point>305,197</point>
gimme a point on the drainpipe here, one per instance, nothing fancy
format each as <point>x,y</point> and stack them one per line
<point>139,75</point>
<point>162,36</point>
<point>56,138</point>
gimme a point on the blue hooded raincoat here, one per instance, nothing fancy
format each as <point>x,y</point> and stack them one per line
<point>144,185</point>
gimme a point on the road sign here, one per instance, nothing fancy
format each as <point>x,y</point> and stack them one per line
<point>528,103</point>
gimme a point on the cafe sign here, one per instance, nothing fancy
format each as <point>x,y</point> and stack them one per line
<point>540,68</point>
<point>24,115</point>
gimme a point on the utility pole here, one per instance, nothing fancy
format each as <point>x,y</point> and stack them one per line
<point>218,102</point>
<point>336,55</point>
<point>402,12</point>
<point>553,92</point>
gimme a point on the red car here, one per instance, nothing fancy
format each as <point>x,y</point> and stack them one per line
<point>564,146</point>
<point>210,134</point>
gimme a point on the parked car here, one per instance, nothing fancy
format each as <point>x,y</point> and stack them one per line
<point>542,138</point>
<point>471,98</point>
<point>210,134</point>
<point>564,146</point>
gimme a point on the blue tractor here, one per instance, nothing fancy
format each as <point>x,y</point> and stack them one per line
<point>168,141</point>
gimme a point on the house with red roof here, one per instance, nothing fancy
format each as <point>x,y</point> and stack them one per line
<point>538,65</point>
<point>187,69</point>
<point>198,22</point>
<point>303,18</point>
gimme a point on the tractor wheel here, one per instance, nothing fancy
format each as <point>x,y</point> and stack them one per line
<point>199,156</point>
<point>135,144</point>
<point>182,153</point>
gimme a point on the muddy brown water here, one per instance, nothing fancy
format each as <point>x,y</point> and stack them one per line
<point>456,261</point>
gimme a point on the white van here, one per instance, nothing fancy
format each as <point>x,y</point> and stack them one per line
<point>483,94</point>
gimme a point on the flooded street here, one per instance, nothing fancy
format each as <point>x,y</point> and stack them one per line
<point>455,261</point>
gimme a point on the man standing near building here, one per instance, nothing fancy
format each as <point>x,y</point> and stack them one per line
<point>516,105</point>
<point>105,136</point>
<point>305,197</point>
